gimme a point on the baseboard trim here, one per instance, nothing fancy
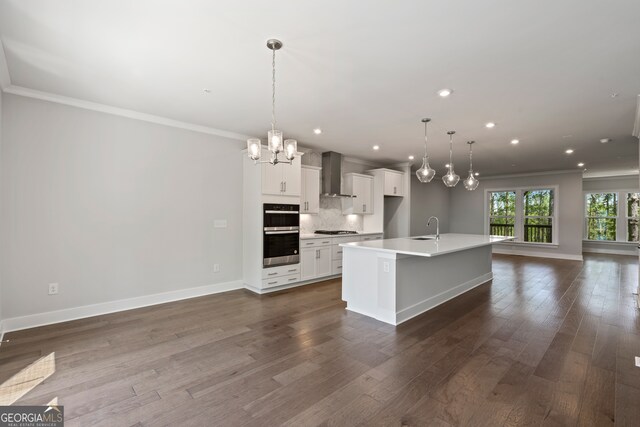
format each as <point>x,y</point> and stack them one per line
<point>441,298</point>
<point>535,254</point>
<point>1,332</point>
<point>51,317</point>
<point>609,251</point>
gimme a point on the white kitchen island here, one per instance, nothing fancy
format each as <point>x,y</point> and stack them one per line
<point>394,280</point>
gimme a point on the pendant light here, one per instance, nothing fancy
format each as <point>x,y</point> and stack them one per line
<point>275,143</point>
<point>425,173</point>
<point>450,179</point>
<point>471,183</point>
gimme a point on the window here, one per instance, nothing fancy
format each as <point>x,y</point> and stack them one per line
<point>633,217</point>
<point>601,216</point>
<point>502,213</point>
<point>538,216</point>
<point>529,214</point>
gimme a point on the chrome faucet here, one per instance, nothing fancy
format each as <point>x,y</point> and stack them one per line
<point>437,225</point>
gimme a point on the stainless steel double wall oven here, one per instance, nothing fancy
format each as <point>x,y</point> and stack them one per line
<point>281,240</point>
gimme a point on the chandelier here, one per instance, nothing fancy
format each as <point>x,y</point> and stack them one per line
<point>471,183</point>
<point>275,143</point>
<point>425,173</point>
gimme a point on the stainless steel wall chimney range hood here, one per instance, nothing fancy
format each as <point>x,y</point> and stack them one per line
<point>332,175</point>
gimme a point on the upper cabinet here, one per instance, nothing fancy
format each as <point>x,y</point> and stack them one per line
<point>310,197</point>
<point>360,186</point>
<point>282,179</point>
<point>393,183</point>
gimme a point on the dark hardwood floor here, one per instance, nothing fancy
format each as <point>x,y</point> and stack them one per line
<point>548,342</point>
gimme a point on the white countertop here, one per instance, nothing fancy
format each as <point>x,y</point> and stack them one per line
<point>449,242</point>
<point>320,236</point>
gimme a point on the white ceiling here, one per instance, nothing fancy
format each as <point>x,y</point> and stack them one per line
<point>363,71</point>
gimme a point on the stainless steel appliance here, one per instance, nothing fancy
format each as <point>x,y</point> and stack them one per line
<point>281,240</point>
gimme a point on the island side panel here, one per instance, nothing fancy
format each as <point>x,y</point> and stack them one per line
<point>367,287</point>
<point>425,282</point>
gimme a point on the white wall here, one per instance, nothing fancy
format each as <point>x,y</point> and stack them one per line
<point>111,208</point>
<point>467,210</point>
<point>1,238</point>
<point>429,199</point>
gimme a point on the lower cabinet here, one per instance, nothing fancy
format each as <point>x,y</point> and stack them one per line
<point>315,262</point>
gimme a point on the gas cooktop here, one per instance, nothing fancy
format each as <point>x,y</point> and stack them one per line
<point>336,232</point>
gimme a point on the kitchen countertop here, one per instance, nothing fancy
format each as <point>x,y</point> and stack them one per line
<point>320,236</point>
<point>449,242</point>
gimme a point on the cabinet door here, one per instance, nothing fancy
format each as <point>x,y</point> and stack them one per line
<point>358,191</point>
<point>303,194</point>
<point>272,182</point>
<point>392,184</point>
<point>323,261</point>
<point>312,190</point>
<point>291,177</point>
<point>308,263</point>
<point>367,195</point>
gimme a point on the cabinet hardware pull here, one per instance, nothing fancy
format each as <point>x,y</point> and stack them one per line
<point>285,186</point>
<point>272,283</point>
<point>364,208</point>
<point>292,271</point>
<point>293,278</point>
<point>272,274</point>
<point>317,253</point>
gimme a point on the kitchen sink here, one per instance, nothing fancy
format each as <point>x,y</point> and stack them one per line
<point>423,238</point>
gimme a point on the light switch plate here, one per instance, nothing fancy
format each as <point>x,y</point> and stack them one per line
<point>220,223</point>
<point>638,361</point>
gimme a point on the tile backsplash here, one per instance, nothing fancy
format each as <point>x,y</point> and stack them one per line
<point>330,218</point>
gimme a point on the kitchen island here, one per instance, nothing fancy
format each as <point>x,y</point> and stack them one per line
<point>394,280</point>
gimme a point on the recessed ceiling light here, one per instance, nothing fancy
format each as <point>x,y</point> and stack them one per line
<point>445,92</point>
<point>376,147</point>
<point>317,131</point>
<point>569,151</point>
<point>206,90</point>
<point>477,173</point>
<point>515,141</point>
<point>605,140</point>
<point>580,164</point>
<point>411,157</point>
<point>490,125</point>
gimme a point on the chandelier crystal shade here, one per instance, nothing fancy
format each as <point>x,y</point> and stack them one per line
<point>471,183</point>
<point>425,173</point>
<point>450,179</point>
<point>275,140</point>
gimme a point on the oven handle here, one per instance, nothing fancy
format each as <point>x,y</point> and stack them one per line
<point>282,212</point>
<point>282,232</point>
<point>292,228</point>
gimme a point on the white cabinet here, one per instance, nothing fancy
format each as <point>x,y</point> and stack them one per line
<point>393,183</point>
<point>360,186</point>
<point>315,262</point>
<point>310,195</point>
<point>281,179</point>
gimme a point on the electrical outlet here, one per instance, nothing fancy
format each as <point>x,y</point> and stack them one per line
<point>53,289</point>
<point>385,266</point>
<point>216,268</point>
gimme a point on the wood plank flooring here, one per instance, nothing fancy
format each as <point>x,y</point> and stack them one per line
<point>547,342</point>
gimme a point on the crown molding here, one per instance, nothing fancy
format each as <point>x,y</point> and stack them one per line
<point>611,174</point>
<point>518,175</point>
<point>5,78</point>
<point>636,123</point>
<point>122,112</point>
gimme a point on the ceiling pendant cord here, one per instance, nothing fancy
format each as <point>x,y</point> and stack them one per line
<point>425,136</point>
<point>451,149</point>
<point>470,156</point>
<point>273,89</point>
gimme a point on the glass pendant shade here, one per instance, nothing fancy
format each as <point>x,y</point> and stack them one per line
<point>450,179</point>
<point>254,148</point>
<point>275,141</point>
<point>425,173</point>
<point>471,183</point>
<point>290,148</point>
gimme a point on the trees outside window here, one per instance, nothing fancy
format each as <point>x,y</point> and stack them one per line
<point>502,213</point>
<point>602,216</point>
<point>538,216</point>
<point>633,217</point>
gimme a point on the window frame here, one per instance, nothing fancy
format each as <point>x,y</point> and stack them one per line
<point>622,223</point>
<point>520,218</point>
